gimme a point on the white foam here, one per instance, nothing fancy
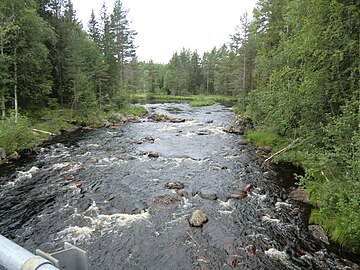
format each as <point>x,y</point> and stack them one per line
<point>99,222</point>
<point>22,176</point>
<point>276,254</point>
<point>269,219</point>
<point>279,205</point>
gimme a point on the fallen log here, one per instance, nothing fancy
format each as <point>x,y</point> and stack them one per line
<point>44,132</point>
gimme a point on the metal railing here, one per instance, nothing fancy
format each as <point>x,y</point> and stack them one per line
<point>14,257</point>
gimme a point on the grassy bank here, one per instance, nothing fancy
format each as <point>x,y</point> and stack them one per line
<point>30,132</point>
<point>334,195</point>
<point>193,100</point>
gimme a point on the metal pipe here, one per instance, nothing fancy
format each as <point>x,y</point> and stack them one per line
<point>14,257</point>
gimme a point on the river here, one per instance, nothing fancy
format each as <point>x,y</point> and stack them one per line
<point>102,191</point>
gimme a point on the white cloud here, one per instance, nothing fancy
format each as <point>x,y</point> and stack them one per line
<point>165,26</point>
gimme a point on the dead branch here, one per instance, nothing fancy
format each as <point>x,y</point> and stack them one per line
<point>281,151</point>
<point>44,132</point>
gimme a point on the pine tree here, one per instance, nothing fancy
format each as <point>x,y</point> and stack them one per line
<point>124,48</point>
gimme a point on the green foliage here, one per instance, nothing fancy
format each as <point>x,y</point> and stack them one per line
<point>134,111</point>
<point>201,102</point>
<point>16,136</point>
<point>306,88</point>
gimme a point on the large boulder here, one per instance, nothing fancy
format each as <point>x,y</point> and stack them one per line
<point>197,218</point>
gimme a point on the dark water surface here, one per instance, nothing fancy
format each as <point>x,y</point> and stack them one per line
<point>101,191</point>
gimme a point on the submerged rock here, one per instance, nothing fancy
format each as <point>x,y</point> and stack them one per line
<point>197,218</point>
<point>207,195</point>
<point>203,132</point>
<point>182,193</point>
<point>166,200</point>
<point>174,185</point>
<point>153,154</point>
<point>239,196</point>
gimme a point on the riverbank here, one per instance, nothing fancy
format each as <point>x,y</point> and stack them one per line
<point>27,133</point>
<point>334,199</point>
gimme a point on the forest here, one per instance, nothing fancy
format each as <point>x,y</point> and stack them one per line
<point>293,69</point>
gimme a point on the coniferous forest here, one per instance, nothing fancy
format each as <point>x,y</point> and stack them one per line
<point>294,69</point>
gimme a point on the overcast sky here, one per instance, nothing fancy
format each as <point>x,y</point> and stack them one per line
<point>166,26</point>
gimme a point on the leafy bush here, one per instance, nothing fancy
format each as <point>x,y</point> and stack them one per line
<point>16,136</point>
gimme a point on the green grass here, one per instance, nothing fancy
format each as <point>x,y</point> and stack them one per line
<point>134,111</point>
<point>201,103</point>
<point>194,99</point>
<point>261,138</point>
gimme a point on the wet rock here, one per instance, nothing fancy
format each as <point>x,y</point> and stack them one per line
<point>239,196</point>
<point>197,218</point>
<point>107,124</point>
<point>14,156</point>
<point>182,193</point>
<point>2,154</point>
<point>232,261</point>
<point>203,132</point>
<point>243,142</point>
<point>251,249</point>
<point>135,249</point>
<point>78,184</point>
<point>267,174</point>
<point>239,125</point>
<point>166,200</point>
<point>176,120</point>
<point>153,154</point>
<point>69,177</point>
<point>318,234</point>
<point>164,118</point>
<point>149,139</point>
<point>299,195</point>
<point>242,193</point>
<point>59,145</point>
<point>174,185</point>
<point>247,188</point>
<point>207,195</point>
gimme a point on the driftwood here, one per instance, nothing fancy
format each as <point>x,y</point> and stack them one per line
<point>44,132</point>
<point>281,151</point>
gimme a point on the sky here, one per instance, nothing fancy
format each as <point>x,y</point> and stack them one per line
<point>166,26</point>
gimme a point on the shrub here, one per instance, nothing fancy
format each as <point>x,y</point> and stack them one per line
<point>16,136</point>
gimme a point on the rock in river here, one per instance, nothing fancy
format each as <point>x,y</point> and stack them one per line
<point>153,154</point>
<point>207,195</point>
<point>174,185</point>
<point>197,218</point>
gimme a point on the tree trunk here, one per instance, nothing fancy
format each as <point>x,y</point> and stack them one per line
<point>3,108</point>
<point>15,87</point>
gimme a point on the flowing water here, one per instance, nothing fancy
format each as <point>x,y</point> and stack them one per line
<point>101,191</point>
